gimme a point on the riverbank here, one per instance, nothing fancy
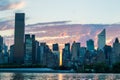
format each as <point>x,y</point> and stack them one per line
<point>36,70</point>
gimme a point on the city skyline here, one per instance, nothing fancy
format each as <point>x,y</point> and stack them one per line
<point>59,39</point>
<point>28,52</point>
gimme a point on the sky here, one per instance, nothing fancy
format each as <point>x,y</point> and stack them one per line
<point>41,16</point>
<point>78,11</point>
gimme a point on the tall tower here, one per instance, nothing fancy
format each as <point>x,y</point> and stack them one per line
<point>19,38</point>
<point>90,45</point>
<point>116,51</point>
<point>102,39</point>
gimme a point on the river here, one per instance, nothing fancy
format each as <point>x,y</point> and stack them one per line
<point>58,76</point>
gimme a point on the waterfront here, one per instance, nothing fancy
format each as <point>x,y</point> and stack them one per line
<point>58,76</point>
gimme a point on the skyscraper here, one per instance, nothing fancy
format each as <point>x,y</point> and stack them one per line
<point>56,52</point>
<point>116,51</point>
<point>90,45</point>
<point>55,47</point>
<point>66,56</point>
<point>19,38</point>
<point>1,50</point>
<point>28,49</point>
<point>108,54</point>
<point>42,53</point>
<point>75,51</point>
<point>101,39</point>
<point>1,43</point>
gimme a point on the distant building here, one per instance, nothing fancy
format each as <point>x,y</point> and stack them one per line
<point>87,58</point>
<point>11,54</point>
<point>108,54</point>
<point>116,51</point>
<point>45,57</point>
<point>35,45</point>
<point>36,53</point>
<point>55,47</point>
<point>49,58</point>
<point>56,52</point>
<point>90,45</point>
<point>28,49</point>
<point>100,57</point>
<point>41,54</point>
<point>19,38</point>
<point>1,51</point>
<point>82,54</point>
<point>6,55</point>
<point>75,51</point>
<point>66,55</point>
<point>101,39</point>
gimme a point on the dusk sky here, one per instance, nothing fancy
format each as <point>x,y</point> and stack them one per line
<point>76,11</point>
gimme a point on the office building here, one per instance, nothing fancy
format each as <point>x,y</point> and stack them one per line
<point>101,39</point>
<point>100,58</point>
<point>108,54</point>
<point>56,52</point>
<point>82,54</point>
<point>90,45</point>
<point>75,51</point>
<point>1,51</point>
<point>116,51</point>
<point>11,54</point>
<point>66,56</point>
<point>28,49</point>
<point>19,38</point>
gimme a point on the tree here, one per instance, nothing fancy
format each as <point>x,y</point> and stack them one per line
<point>116,68</point>
<point>101,68</point>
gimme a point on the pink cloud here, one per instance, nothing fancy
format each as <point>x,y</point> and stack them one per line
<point>63,33</point>
<point>17,5</point>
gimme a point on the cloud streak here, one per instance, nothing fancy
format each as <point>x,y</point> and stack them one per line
<point>62,33</point>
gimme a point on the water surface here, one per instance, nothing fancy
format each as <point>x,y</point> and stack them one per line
<point>57,76</point>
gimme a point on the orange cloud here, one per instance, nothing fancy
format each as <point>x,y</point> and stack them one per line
<point>8,5</point>
<point>17,5</point>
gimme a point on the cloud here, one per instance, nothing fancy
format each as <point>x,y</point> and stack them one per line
<point>62,33</point>
<point>5,33</point>
<point>6,24</point>
<point>8,5</point>
<point>52,38</point>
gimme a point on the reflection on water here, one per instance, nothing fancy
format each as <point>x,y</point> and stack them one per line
<point>57,76</point>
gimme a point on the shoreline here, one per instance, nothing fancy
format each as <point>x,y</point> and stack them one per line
<point>41,70</point>
<point>36,70</point>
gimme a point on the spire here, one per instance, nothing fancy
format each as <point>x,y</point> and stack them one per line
<point>117,40</point>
